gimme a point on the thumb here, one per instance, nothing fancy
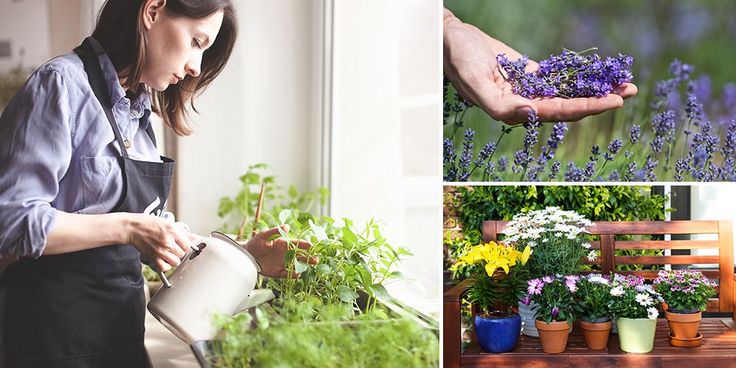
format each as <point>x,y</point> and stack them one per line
<point>273,232</point>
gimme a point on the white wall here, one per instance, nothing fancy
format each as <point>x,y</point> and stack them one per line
<point>261,109</point>
<point>712,201</point>
<point>26,24</point>
<point>379,127</point>
<point>386,137</point>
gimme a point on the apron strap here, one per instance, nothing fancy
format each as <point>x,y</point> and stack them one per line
<point>97,82</point>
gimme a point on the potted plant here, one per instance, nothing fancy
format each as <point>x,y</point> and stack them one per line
<point>555,311</point>
<point>498,282</point>
<point>686,294</point>
<point>557,239</point>
<point>338,312</point>
<point>593,295</point>
<point>633,304</point>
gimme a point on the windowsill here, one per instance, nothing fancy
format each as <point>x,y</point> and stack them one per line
<point>164,349</point>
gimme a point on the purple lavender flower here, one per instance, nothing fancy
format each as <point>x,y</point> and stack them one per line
<point>574,173</point>
<point>614,176</point>
<point>467,155</point>
<point>680,71</point>
<point>449,157</point>
<point>634,134</point>
<point>555,312</point>
<point>485,153</point>
<point>567,75</point>
<point>503,163</point>
<point>613,148</point>
<point>554,141</point>
<point>693,109</point>
<point>554,169</point>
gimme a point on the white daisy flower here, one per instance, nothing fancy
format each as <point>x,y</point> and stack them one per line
<point>652,313</point>
<point>617,291</point>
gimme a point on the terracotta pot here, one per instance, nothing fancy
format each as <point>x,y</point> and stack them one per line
<point>684,325</point>
<point>553,336</point>
<point>596,334</point>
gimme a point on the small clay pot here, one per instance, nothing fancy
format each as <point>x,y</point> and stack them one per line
<point>596,334</point>
<point>684,325</point>
<point>553,336</point>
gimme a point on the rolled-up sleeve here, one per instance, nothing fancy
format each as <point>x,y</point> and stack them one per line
<point>35,151</point>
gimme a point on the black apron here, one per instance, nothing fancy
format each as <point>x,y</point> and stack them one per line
<point>87,309</point>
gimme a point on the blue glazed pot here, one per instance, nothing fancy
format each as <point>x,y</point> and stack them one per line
<point>497,335</point>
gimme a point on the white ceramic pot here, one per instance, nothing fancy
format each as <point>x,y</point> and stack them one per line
<point>216,277</point>
<point>527,319</point>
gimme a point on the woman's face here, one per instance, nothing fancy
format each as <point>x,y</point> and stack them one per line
<point>175,45</point>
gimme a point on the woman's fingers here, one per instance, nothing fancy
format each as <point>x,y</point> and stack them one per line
<point>562,109</point>
<point>267,234</point>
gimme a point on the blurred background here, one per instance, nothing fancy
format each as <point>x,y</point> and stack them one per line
<point>654,32</point>
<point>343,95</point>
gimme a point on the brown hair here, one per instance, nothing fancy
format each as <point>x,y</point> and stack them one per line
<point>120,32</point>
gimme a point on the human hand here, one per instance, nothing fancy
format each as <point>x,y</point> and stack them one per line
<point>161,241</point>
<point>270,254</point>
<point>470,65</point>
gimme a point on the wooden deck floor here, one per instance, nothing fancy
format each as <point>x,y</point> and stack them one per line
<point>718,350</point>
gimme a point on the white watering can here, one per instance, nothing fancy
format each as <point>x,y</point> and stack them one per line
<point>217,276</point>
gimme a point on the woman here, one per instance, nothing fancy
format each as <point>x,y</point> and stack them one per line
<point>81,177</point>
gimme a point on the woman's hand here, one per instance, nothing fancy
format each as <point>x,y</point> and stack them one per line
<point>160,241</point>
<point>470,64</point>
<point>270,254</point>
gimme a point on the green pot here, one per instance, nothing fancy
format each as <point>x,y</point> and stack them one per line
<point>636,335</point>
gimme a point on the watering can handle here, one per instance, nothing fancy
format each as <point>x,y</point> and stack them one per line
<point>195,249</point>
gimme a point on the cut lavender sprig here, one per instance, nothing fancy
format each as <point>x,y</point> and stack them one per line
<point>567,75</point>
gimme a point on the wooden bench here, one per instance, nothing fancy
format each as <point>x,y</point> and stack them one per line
<point>719,333</point>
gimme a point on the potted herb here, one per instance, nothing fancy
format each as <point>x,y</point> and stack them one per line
<point>498,282</point>
<point>557,239</point>
<point>633,304</point>
<point>555,311</point>
<point>686,294</point>
<point>594,294</point>
<point>338,312</point>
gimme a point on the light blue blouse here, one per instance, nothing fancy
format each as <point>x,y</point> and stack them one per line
<point>58,151</point>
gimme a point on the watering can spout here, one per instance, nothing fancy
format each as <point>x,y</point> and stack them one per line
<point>256,297</point>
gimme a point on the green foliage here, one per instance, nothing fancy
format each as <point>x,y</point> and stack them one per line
<point>239,211</point>
<point>685,290</point>
<point>557,256</point>
<point>336,339</point>
<point>330,315</point>
<point>351,261</point>
<point>597,203</point>
<point>593,294</point>
<point>496,296</point>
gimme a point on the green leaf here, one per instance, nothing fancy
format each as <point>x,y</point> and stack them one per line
<point>300,267</point>
<point>346,294</point>
<point>379,291</point>
<point>293,193</point>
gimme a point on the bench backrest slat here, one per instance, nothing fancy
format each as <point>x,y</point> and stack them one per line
<point>722,271</point>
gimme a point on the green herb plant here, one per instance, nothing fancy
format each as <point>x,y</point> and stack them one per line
<point>332,315</point>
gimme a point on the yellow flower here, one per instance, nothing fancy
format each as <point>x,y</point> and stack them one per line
<point>492,256</point>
